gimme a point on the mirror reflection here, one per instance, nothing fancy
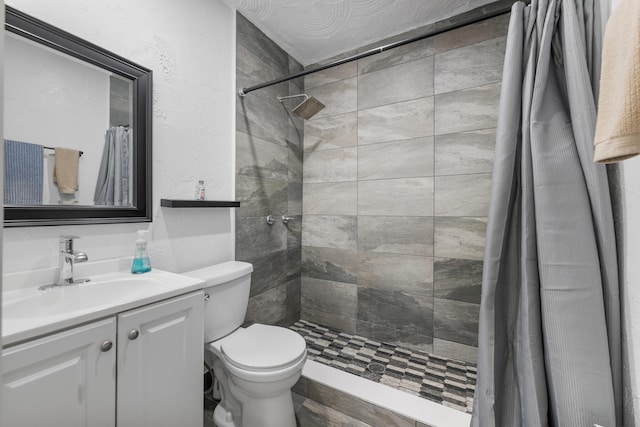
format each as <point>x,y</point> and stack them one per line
<point>67,128</point>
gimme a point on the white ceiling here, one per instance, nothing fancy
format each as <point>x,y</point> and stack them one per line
<point>314,30</point>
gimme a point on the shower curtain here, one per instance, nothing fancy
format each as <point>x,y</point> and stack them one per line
<point>113,186</point>
<point>549,338</point>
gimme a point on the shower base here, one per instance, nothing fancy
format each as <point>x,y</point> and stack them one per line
<point>445,381</point>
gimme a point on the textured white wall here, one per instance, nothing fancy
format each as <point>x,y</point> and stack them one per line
<point>629,234</point>
<point>190,46</point>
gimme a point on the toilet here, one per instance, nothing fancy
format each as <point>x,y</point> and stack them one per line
<point>255,366</point>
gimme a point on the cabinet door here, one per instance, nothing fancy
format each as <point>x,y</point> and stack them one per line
<point>66,379</point>
<point>160,352</point>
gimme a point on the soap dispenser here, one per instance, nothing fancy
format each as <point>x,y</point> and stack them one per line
<point>141,263</point>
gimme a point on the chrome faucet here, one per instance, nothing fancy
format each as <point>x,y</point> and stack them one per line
<point>68,257</point>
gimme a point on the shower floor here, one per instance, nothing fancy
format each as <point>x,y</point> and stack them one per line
<point>445,381</point>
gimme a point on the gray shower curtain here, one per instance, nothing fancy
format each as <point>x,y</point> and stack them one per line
<point>114,182</point>
<point>549,338</point>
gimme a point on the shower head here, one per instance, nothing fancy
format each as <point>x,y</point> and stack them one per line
<point>307,108</point>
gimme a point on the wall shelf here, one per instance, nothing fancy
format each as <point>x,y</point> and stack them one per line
<point>181,203</point>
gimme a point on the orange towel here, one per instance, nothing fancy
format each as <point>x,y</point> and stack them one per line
<point>618,127</point>
<point>65,171</point>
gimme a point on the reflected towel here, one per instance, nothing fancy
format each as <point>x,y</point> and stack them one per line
<point>22,173</point>
<point>65,171</point>
<point>618,128</point>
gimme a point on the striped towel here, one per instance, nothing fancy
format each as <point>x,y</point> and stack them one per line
<point>22,173</point>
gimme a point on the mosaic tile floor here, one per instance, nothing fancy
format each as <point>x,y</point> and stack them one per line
<point>445,381</point>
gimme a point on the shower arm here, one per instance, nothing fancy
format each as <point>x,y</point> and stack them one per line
<point>486,12</point>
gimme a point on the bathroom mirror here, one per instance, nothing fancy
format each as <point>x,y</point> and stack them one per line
<point>77,129</point>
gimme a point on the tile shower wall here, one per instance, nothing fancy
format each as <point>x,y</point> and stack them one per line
<point>268,178</point>
<point>397,176</point>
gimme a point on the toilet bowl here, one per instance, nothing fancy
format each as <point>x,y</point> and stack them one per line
<point>255,366</point>
<point>261,364</point>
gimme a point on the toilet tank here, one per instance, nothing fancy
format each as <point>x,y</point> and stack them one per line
<point>228,285</point>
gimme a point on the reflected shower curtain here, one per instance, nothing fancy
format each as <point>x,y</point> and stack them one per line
<point>549,338</point>
<point>113,186</point>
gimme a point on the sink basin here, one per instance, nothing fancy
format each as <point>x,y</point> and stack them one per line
<point>74,298</point>
<point>28,312</point>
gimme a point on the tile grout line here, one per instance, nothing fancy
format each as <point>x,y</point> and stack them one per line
<point>357,258</point>
<point>433,222</point>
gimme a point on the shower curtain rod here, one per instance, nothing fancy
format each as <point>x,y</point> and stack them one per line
<point>500,10</point>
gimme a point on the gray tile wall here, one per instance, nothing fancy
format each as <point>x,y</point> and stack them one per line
<point>269,175</point>
<point>120,102</point>
<point>397,175</point>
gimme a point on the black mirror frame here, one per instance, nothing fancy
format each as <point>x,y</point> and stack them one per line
<point>27,216</point>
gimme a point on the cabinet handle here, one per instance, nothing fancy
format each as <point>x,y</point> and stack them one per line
<point>133,334</point>
<point>106,346</point>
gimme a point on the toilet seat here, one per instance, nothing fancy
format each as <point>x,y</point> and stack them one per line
<point>261,348</point>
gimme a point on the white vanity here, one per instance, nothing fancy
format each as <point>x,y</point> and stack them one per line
<point>121,350</point>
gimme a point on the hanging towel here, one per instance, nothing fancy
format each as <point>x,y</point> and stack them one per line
<point>618,128</point>
<point>65,170</point>
<point>22,173</point>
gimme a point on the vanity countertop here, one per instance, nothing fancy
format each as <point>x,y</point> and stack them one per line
<point>28,312</point>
